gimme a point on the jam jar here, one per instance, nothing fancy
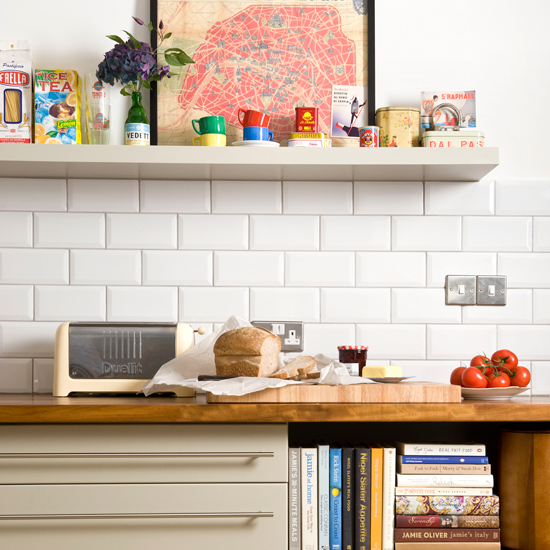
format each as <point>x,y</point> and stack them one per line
<point>354,358</point>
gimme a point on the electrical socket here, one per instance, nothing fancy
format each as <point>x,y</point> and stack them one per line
<point>291,333</point>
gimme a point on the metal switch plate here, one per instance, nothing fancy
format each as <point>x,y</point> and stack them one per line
<point>291,333</point>
<point>491,290</point>
<point>460,290</point>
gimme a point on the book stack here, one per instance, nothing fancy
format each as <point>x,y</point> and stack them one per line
<point>341,497</point>
<point>444,498</point>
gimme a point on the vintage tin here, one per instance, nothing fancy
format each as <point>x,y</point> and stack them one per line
<point>307,119</point>
<point>307,135</point>
<point>369,136</point>
<point>309,143</point>
<point>399,126</point>
<point>462,138</point>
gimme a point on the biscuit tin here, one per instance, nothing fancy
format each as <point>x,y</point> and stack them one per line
<point>399,126</point>
<point>310,143</point>
<point>463,138</point>
<point>307,135</point>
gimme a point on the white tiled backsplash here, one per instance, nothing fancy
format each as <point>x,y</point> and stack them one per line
<point>361,262</point>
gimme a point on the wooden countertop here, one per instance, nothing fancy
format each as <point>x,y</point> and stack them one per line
<point>45,409</point>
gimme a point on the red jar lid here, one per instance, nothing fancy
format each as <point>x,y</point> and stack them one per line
<point>353,347</point>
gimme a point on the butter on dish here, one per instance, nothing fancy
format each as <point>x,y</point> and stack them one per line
<point>380,372</point>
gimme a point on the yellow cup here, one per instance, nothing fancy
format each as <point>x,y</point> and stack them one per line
<point>210,140</point>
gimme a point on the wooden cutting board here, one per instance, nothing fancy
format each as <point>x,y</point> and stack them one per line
<point>404,392</point>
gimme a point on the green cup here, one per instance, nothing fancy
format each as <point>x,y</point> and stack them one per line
<point>209,125</point>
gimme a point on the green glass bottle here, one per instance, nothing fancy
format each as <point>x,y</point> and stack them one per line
<point>136,128</point>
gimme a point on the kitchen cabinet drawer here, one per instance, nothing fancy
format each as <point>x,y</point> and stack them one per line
<point>229,516</point>
<point>161,453</point>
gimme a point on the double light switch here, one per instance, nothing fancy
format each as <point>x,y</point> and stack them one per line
<point>469,290</point>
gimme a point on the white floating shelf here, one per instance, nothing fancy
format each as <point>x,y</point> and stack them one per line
<point>246,163</point>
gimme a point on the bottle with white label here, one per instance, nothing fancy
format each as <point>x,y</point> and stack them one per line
<point>136,128</point>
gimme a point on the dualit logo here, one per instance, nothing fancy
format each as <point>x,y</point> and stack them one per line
<point>129,368</point>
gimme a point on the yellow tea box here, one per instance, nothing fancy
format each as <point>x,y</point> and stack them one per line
<point>57,107</point>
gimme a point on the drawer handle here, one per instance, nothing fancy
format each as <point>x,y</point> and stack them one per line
<point>139,455</point>
<point>213,515</point>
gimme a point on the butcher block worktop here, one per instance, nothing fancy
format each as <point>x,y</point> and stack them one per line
<point>37,409</point>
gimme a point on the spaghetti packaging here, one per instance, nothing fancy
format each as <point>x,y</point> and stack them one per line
<point>57,107</point>
<point>15,91</point>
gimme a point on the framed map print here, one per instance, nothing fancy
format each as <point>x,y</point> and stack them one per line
<point>265,55</point>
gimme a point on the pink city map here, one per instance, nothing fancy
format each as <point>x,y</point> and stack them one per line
<point>267,56</point>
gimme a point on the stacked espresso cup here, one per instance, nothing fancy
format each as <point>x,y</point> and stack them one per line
<point>211,130</point>
<point>255,125</point>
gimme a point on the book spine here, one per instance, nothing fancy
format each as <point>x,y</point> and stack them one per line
<point>439,480</point>
<point>388,498</point>
<point>336,499</point>
<point>294,542</point>
<point>444,491</point>
<point>410,459</point>
<point>309,499</point>
<point>362,498</point>
<point>440,449</point>
<point>324,504</point>
<point>447,535</point>
<point>348,487</point>
<point>448,522</point>
<point>377,461</point>
<point>447,506</point>
<point>450,469</point>
<point>447,546</point>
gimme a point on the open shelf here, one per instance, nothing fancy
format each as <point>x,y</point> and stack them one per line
<point>246,163</point>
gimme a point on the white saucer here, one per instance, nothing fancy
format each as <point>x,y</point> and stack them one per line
<point>389,379</point>
<point>256,143</point>
<point>492,394</point>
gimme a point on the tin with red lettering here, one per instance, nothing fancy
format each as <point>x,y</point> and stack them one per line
<point>369,136</point>
<point>307,119</point>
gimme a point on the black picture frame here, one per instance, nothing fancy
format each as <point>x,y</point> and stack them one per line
<point>371,73</point>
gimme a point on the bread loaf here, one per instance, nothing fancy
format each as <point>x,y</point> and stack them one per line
<point>247,351</point>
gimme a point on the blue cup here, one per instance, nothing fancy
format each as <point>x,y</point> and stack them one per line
<point>257,133</point>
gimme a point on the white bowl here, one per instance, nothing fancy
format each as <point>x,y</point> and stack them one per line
<point>492,394</point>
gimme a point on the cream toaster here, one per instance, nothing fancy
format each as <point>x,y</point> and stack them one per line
<point>116,357</point>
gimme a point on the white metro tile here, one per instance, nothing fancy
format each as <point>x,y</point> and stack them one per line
<point>212,304</point>
<point>441,264</point>
<point>391,269</point>
<point>355,233</point>
<point>422,305</point>
<point>426,233</point>
<point>355,305</point>
<point>309,197</point>
<point>497,234</point>
<point>459,341</point>
<point>393,341</point>
<point>142,304</point>
<point>16,303</point>
<point>142,231</point>
<point>27,339</point>
<point>527,342</point>
<point>541,235</point>
<point>319,269</point>
<point>175,196</point>
<point>284,304</point>
<point>70,303</point>
<point>326,338</point>
<point>458,197</point>
<point>16,229</point>
<point>43,376</point>
<point>540,378</point>
<point>68,230</point>
<point>541,306</point>
<point>212,232</point>
<point>15,375</point>
<point>428,371</point>
<point>33,194</point>
<point>103,195</point>
<point>246,197</point>
<point>19,265</point>
<point>521,198</point>
<point>389,197</point>
<point>525,270</point>
<point>107,267</point>
<point>284,232</point>
<point>518,309</point>
<point>248,268</point>
<point>177,267</point>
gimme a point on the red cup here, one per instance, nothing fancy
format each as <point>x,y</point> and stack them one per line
<point>253,118</point>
